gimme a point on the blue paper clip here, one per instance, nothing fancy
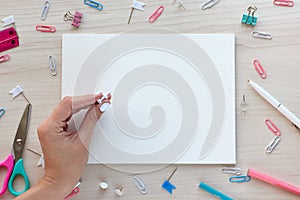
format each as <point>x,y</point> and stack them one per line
<point>2,111</point>
<point>239,179</point>
<point>93,4</point>
<point>249,18</point>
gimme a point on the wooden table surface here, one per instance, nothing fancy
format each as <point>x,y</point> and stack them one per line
<point>28,67</point>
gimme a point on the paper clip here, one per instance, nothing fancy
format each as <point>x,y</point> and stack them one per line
<point>8,20</point>
<point>209,4</point>
<point>2,112</point>
<point>93,4</point>
<point>76,18</point>
<point>272,144</point>
<point>259,68</point>
<point>272,127</point>
<point>45,9</point>
<point>4,58</point>
<point>262,35</point>
<point>239,179</point>
<point>45,28</point>
<point>247,19</point>
<point>286,3</point>
<point>231,170</point>
<point>153,17</point>
<point>139,184</point>
<point>52,65</point>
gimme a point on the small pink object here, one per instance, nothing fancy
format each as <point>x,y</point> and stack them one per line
<point>76,19</point>
<point>153,17</point>
<point>8,163</point>
<point>273,181</point>
<point>4,58</point>
<point>259,68</point>
<point>272,127</point>
<point>8,39</point>
<point>287,3</point>
<point>75,191</point>
<point>45,28</point>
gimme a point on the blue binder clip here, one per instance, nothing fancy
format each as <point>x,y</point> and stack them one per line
<point>250,18</point>
<point>93,4</point>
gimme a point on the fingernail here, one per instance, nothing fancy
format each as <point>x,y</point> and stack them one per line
<point>105,96</point>
<point>104,107</point>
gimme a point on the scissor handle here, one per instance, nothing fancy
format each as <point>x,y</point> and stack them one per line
<point>9,164</point>
<point>18,170</point>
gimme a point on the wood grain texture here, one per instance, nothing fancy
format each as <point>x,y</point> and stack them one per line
<point>280,56</point>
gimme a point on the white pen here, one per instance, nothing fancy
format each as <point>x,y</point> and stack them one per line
<point>281,108</point>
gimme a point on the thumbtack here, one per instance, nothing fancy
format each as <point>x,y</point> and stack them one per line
<point>17,91</point>
<point>244,104</point>
<point>136,5</point>
<point>8,20</point>
<point>103,185</point>
<point>119,192</point>
<point>41,161</point>
<point>167,185</point>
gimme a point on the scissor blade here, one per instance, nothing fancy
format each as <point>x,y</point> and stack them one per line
<point>20,138</point>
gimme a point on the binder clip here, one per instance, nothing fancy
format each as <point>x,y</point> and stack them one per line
<point>250,18</point>
<point>8,39</point>
<point>76,18</point>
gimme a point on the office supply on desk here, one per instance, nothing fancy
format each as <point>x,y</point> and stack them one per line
<point>249,18</point>
<point>2,112</point>
<point>119,191</point>
<point>93,4</point>
<point>14,162</point>
<point>275,103</point>
<point>239,179</point>
<point>45,9</point>
<point>262,35</point>
<point>167,185</point>
<point>140,185</point>
<point>213,191</point>
<point>4,58</point>
<point>272,127</point>
<point>75,18</point>
<point>8,39</point>
<point>8,20</point>
<point>16,91</point>
<point>45,28</point>
<point>180,4</point>
<point>75,190</point>
<point>273,181</point>
<point>103,185</point>
<point>209,4</point>
<point>41,161</point>
<point>271,146</point>
<point>231,170</point>
<point>52,65</point>
<point>153,17</point>
<point>287,3</point>
<point>136,5</point>
<point>243,104</point>
<point>259,68</point>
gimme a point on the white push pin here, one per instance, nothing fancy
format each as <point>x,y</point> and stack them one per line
<point>119,191</point>
<point>8,20</point>
<point>41,161</point>
<point>17,91</point>
<point>104,97</point>
<point>103,185</point>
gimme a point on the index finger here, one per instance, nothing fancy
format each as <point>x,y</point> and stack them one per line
<point>71,105</point>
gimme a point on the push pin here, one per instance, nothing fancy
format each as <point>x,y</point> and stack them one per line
<point>250,18</point>
<point>104,106</point>
<point>103,185</point>
<point>136,5</point>
<point>8,20</point>
<point>41,161</point>
<point>119,192</point>
<point>167,185</point>
<point>76,18</point>
<point>17,91</point>
<point>244,104</point>
<point>180,4</point>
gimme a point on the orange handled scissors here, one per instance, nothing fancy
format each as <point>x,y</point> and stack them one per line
<point>14,161</point>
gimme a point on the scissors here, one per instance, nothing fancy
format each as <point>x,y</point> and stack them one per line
<point>14,161</point>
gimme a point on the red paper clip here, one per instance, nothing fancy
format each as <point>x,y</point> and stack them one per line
<point>272,127</point>
<point>45,28</point>
<point>75,191</point>
<point>153,17</point>
<point>4,58</point>
<point>287,3</point>
<point>259,68</point>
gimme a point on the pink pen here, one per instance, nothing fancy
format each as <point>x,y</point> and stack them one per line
<point>277,183</point>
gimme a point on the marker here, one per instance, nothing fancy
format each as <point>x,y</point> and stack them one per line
<point>214,192</point>
<point>276,104</point>
<point>273,181</point>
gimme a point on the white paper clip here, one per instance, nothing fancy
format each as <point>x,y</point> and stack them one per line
<point>45,9</point>
<point>272,144</point>
<point>262,35</point>
<point>209,4</point>
<point>8,20</point>
<point>52,66</point>
<point>231,170</point>
<point>139,184</point>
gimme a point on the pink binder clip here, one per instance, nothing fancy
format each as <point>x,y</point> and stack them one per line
<point>287,3</point>
<point>4,58</point>
<point>272,127</point>
<point>8,39</point>
<point>153,17</point>
<point>76,18</point>
<point>259,68</point>
<point>45,28</point>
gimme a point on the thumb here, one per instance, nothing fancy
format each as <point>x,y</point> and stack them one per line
<point>88,124</point>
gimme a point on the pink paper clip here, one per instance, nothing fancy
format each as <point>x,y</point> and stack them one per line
<point>153,17</point>
<point>287,3</point>
<point>259,68</point>
<point>4,58</point>
<point>272,127</point>
<point>45,28</point>
<point>75,191</point>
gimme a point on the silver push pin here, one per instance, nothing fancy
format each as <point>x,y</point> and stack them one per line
<point>244,104</point>
<point>180,4</point>
<point>103,185</point>
<point>119,191</point>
